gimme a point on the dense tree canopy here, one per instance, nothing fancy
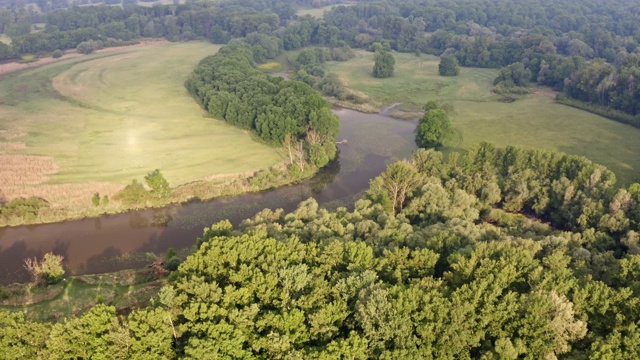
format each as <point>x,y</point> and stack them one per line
<point>558,41</point>
<point>436,250</point>
<point>230,87</point>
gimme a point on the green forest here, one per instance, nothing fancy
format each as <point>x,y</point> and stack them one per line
<point>280,112</point>
<point>492,254</point>
<point>586,49</point>
<point>486,253</point>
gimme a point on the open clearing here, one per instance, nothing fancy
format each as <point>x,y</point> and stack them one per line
<point>535,121</point>
<point>94,123</point>
<point>317,13</point>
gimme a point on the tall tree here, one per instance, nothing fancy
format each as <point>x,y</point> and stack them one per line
<point>384,64</point>
<point>434,128</point>
<point>448,66</point>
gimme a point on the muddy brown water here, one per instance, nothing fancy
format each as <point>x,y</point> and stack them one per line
<point>367,144</point>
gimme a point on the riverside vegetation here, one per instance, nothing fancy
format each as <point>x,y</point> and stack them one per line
<point>491,253</point>
<point>513,253</point>
<point>562,53</point>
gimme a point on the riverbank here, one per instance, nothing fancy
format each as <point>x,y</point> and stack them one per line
<point>120,241</point>
<point>90,124</point>
<point>199,190</point>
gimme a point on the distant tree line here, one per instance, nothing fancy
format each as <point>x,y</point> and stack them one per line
<point>557,42</point>
<point>496,253</point>
<point>280,112</point>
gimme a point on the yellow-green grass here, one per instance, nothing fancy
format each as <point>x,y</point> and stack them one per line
<point>535,121</point>
<point>316,12</point>
<point>163,2</point>
<point>415,80</point>
<point>111,117</point>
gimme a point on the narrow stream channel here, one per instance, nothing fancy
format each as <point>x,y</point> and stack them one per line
<point>115,242</point>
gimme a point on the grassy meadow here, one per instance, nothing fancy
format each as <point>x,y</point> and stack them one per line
<point>534,121</point>
<point>317,13</point>
<point>93,123</point>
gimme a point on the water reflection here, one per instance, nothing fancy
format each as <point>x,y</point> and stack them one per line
<point>114,242</point>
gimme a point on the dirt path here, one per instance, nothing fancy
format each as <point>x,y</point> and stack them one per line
<point>16,66</point>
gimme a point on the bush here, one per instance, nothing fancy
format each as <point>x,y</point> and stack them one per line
<point>95,200</point>
<point>87,47</point>
<point>56,54</point>
<point>28,58</point>
<point>158,184</point>
<point>134,193</point>
<point>48,271</point>
<point>448,66</point>
<point>172,264</point>
<point>24,208</point>
<point>84,48</point>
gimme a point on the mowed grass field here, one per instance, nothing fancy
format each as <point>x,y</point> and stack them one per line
<point>534,121</point>
<point>94,123</point>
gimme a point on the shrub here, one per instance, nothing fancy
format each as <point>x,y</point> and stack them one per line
<point>134,193</point>
<point>28,58</point>
<point>48,271</point>
<point>448,66</point>
<point>172,264</point>
<point>56,54</point>
<point>87,47</point>
<point>158,184</point>
<point>95,200</point>
<point>24,208</point>
<point>84,48</point>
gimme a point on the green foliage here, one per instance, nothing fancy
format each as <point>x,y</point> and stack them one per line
<point>93,334</point>
<point>23,208</point>
<point>601,110</point>
<point>57,53</point>
<point>409,268</point>
<point>105,201</point>
<point>384,64</point>
<point>229,86</point>
<point>25,59</point>
<point>48,271</point>
<point>158,184</point>
<point>172,263</point>
<point>20,338</point>
<point>95,199</point>
<point>133,194</point>
<point>514,75</point>
<point>434,129</point>
<point>448,66</point>
<point>87,47</point>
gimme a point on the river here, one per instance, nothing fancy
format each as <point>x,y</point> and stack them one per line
<point>116,242</point>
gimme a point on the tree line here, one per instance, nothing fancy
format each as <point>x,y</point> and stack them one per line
<point>588,50</point>
<point>557,43</point>
<point>280,112</point>
<point>494,253</point>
